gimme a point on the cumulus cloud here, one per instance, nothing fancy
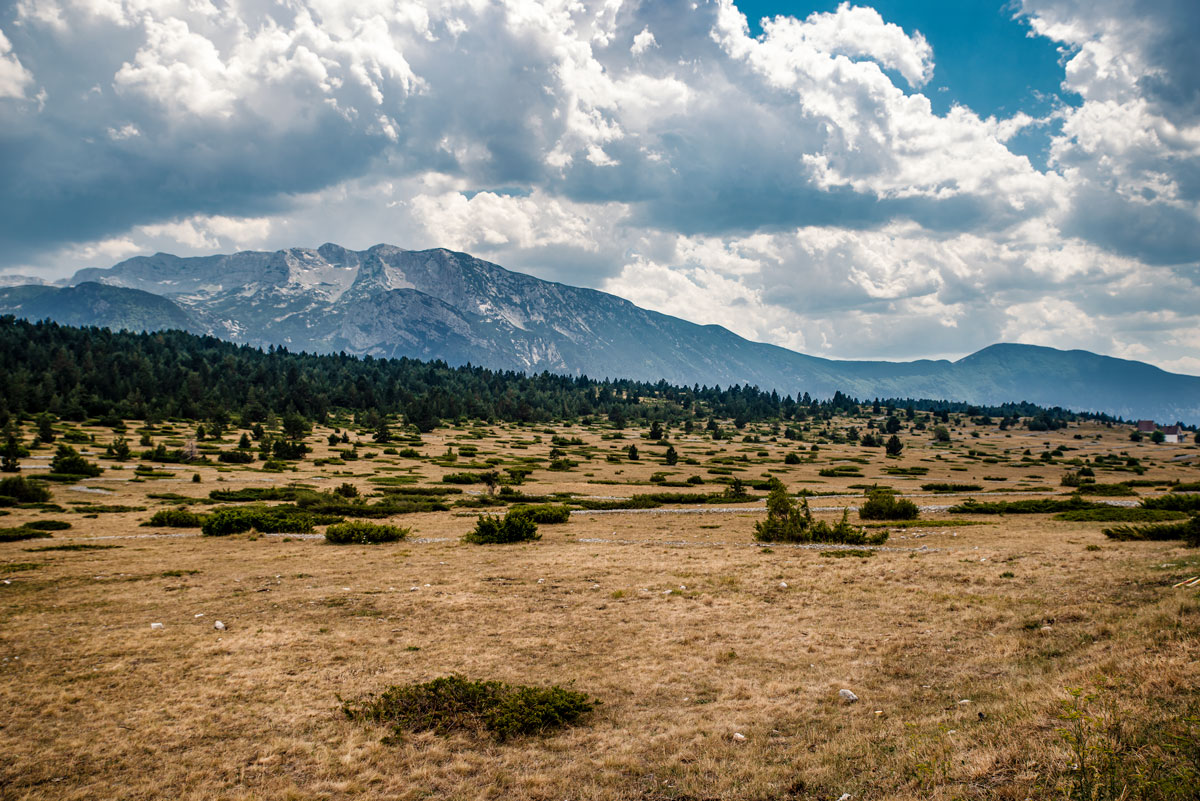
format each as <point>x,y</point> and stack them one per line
<point>795,186</point>
<point>14,78</point>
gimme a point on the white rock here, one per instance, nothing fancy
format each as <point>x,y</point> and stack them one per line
<point>965,701</point>
<point>156,625</point>
<point>219,626</point>
<point>847,696</point>
<point>737,735</point>
<point>845,797</point>
<point>783,585</point>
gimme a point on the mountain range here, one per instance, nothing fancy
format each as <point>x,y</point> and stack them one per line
<point>439,304</point>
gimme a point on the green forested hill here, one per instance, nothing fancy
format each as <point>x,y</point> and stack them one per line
<point>80,372</point>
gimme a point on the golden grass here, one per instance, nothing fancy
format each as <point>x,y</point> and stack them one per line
<point>679,623</point>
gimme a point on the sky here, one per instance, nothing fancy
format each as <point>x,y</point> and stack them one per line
<point>895,179</point>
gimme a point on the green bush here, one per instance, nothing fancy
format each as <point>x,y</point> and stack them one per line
<point>455,704</point>
<point>1028,507</point>
<point>176,518</point>
<point>1120,514</point>
<point>788,522</point>
<point>791,458</point>
<point>264,519</point>
<point>515,526</point>
<point>462,478</point>
<point>18,489</point>
<point>235,457</point>
<point>943,487</point>
<point>841,471</point>
<point>883,505</point>
<point>359,532</point>
<point>67,461</point>
<point>1186,502</point>
<point>636,502</point>
<point>21,533</point>
<point>1106,490</point>
<point>545,513</point>
<point>48,525</point>
<point>255,494</point>
<point>1188,531</point>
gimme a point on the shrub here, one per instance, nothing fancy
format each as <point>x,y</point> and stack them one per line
<point>48,525</point>
<point>791,458</point>
<point>21,533</point>
<point>1188,531</point>
<point>359,532</point>
<point>462,478</point>
<point>1119,514</point>
<point>1105,489</point>
<point>264,519</point>
<point>883,505</point>
<point>1028,507</point>
<point>1184,502</point>
<point>68,461</point>
<point>453,703</point>
<point>636,502</point>
<point>176,518</point>
<point>545,513</point>
<point>942,487</point>
<point>841,471</point>
<point>788,522</point>
<point>235,457</point>
<point>515,526</point>
<point>255,494</point>
<point>22,490</point>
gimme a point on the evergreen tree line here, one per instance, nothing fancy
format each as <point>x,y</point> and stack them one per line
<point>80,373</point>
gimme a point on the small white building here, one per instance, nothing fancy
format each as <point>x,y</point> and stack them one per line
<point>1174,434</point>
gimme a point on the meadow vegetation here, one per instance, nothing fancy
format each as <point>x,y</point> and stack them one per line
<point>665,631</point>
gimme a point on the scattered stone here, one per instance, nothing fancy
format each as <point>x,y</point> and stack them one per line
<point>783,585</point>
<point>199,614</point>
<point>847,696</point>
<point>219,626</point>
<point>156,625</point>
<point>845,797</point>
<point>965,701</point>
<point>737,735</point>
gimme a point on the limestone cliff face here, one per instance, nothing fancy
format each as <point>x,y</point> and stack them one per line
<point>439,304</point>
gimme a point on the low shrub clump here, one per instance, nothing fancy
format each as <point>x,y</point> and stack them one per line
<point>1188,531</point>
<point>1183,502</point>
<point>884,505</point>
<point>788,522</point>
<point>1029,507</point>
<point>255,494</point>
<point>1106,490</point>
<point>454,704</point>
<point>545,513</point>
<point>48,525</point>
<point>176,518</point>
<point>1120,514</point>
<point>944,487</point>
<point>21,533</point>
<point>18,489</point>
<point>515,526</point>
<point>68,461</point>
<point>263,519</point>
<point>358,532</point>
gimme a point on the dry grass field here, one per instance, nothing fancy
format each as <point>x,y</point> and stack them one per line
<point>717,661</point>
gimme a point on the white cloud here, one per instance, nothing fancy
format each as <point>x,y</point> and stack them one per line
<point>643,42</point>
<point>14,78</point>
<point>797,186</point>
